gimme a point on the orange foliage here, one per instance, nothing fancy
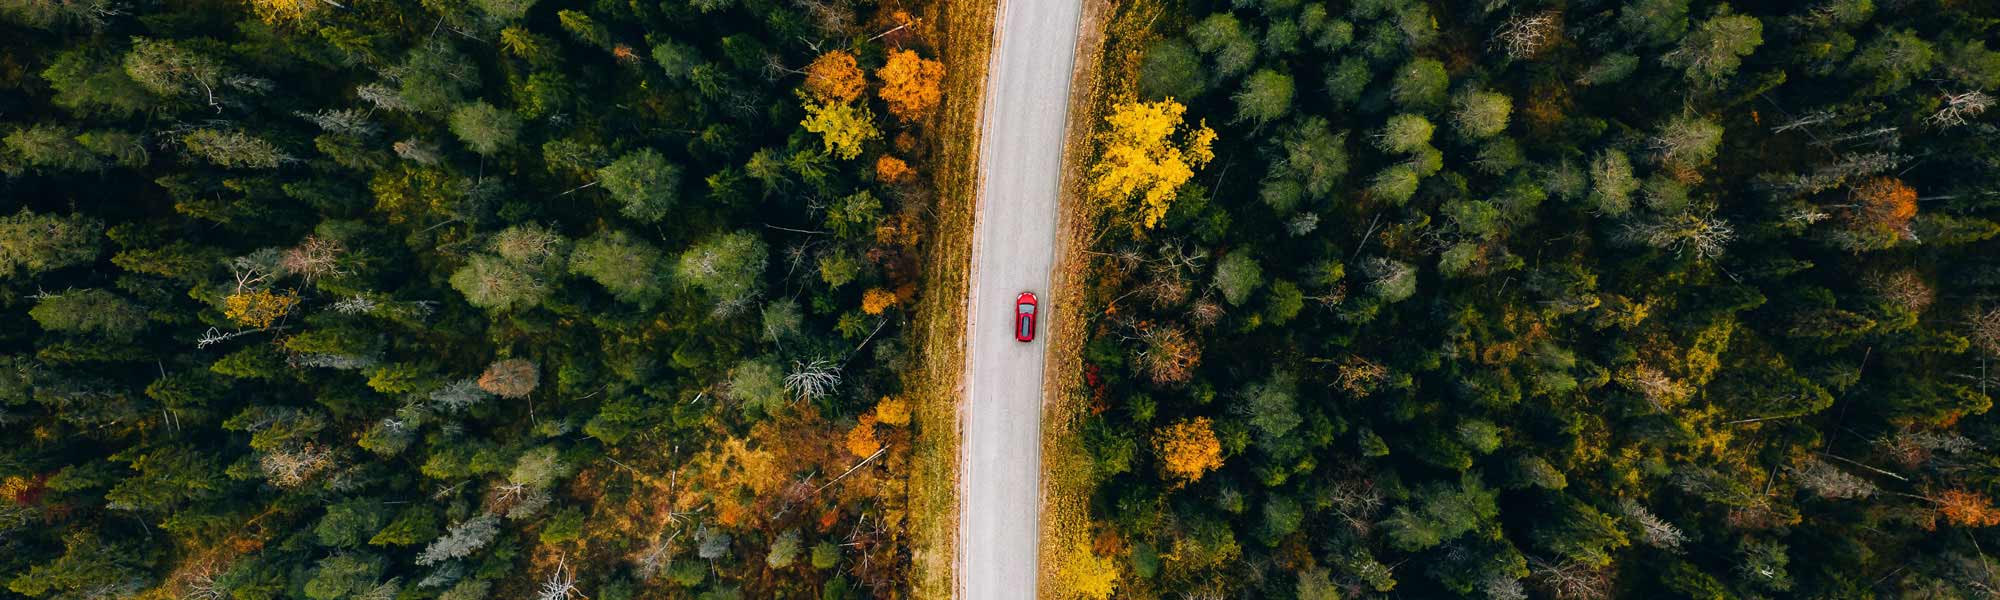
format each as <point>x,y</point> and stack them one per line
<point>624,54</point>
<point>889,169</point>
<point>1967,509</point>
<point>1886,202</point>
<point>835,77</point>
<point>1188,449</point>
<point>861,439</point>
<point>911,84</point>
<point>876,300</point>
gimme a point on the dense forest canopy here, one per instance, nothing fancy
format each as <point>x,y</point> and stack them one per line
<point>387,299</point>
<point>1546,298</point>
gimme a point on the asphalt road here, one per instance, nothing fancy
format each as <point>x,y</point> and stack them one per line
<point>1013,248</point>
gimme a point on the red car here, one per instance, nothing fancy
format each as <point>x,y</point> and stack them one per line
<point>1024,317</point>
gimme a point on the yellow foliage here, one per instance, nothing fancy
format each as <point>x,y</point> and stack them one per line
<point>276,11</point>
<point>861,440</point>
<point>911,84</point>
<point>258,308</point>
<point>1142,159</point>
<point>843,127</point>
<point>889,169</point>
<point>1088,575</point>
<point>876,300</point>
<point>893,410</point>
<point>1188,449</point>
<point>834,77</point>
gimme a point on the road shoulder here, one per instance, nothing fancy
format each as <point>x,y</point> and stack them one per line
<point>966,31</point>
<point>1066,466</point>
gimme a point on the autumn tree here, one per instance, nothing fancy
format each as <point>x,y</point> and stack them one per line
<point>258,308</point>
<point>1966,508</point>
<point>1883,203</point>
<point>892,170</point>
<point>1145,156</point>
<point>834,77</point>
<point>511,378</point>
<point>287,11</point>
<point>843,126</point>
<point>1187,449</point>
<point>911,85</point>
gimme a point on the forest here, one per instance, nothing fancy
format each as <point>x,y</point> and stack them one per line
<point>390,300</point>
<point>1544,298</point>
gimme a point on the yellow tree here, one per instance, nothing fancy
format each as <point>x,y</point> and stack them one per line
<point>1146,156</point>
<point>893,410</point>
<point>1188,449</point>
<point>278,11</point>
<point>911,84</point>
<point>1087,575</point>
<point>842,126</point>
<point>258,308</point>
<point>834,77</point>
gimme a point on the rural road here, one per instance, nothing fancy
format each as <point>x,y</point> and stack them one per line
<point>1013,248</point>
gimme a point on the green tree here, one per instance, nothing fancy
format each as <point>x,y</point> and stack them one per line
<point>1420,85</point>
<point>485,129</point>
<point>728,266</point>
<point>1221,36</point>
<point>91,311</point>
<point>1265,96</point>
<point>496,284</point>
<point>87,82</point>
<point>627,266</point>
<point>87,568</point>
<point>50,147</point>
<point>1172,69</point>
<point>1405,134</point>
<point>37,243</point>
<point>1715,49</point>
<point>1310,153</point>
<point>1238,275</point>
<point>1892,60</point>
<point>1655,22</point>
<point>1480,114</point>
<point>644,182</point>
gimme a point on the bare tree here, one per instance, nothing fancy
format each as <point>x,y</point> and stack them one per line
<point>1525,36</point>
<point>812,380</point>
<point>561,583</point>
<point>1571,580</point>
<point>1706,236</point>
<point>1958,108</point>
<point>1654,531</point>
<point>1828,481</point>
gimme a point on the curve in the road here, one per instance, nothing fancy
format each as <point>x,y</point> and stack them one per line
<point>1020,165</point>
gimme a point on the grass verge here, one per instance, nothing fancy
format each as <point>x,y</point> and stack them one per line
<point>965,30</point>
<point>1109,48</point>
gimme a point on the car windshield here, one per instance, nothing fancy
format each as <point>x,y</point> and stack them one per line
<point>1025,308</point>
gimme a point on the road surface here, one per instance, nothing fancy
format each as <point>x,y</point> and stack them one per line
<point>1013,248</point>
